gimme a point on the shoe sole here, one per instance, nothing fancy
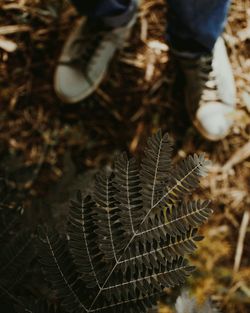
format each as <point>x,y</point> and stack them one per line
<point>201,131</point>
<point>81,97</point>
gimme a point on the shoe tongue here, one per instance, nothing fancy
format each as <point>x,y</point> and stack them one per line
<point>215,119</point>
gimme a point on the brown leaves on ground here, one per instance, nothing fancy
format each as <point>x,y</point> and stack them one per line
<point>137,97</point>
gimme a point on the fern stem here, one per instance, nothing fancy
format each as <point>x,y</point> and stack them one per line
<point>155,174</point>
<point>128,199</point>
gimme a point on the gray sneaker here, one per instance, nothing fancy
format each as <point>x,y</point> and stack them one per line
<point>210,92</point>
<point>85,58</point>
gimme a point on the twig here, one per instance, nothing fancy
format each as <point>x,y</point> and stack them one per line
<point>239,156</point>
<point>240,243</point>
<point>12,29</point>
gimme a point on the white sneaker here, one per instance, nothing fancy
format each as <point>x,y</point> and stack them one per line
<point>210,92</point>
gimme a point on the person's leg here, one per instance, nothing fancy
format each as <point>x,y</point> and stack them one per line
<point>99,8</point>
<point>112,12</point>
<point>194,28</point>
<point>195,25</point>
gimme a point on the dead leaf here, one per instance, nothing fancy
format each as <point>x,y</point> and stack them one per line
<point>7,45</point>
<point>239,156</point>
<point>244,34</point>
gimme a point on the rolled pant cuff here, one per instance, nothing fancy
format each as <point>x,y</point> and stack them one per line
<point>121,19</point>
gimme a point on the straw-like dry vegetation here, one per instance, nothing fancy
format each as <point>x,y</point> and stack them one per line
<point>49,149</point>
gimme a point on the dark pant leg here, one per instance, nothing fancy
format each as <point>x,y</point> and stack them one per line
<point>194,25</point>
<point>100,8</point>
<point>113,13</point>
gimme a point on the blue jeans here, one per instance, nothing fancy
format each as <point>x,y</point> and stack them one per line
<point>193,25</point>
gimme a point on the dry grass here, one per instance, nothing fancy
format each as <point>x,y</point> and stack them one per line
<point>135,99</point>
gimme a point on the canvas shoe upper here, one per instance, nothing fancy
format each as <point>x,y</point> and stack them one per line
<point>86,56</point>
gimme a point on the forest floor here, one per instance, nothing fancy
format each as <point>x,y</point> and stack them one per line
<point>49,149</point>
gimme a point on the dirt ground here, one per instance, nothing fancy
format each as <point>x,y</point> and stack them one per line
<point>49,149</point>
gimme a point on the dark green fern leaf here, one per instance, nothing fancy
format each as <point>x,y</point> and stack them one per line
<point>111,237</point>
<point>9,219</point>
<point>157,251</point>
<point>60,270</point>
<point>81,230</point>
<point>156,167</point>
<point>183,180</point>
<point>129,195</point>
<point>130,241</point>
<point>178,220</point>
<point>15,260</point>
<point>34,306</point>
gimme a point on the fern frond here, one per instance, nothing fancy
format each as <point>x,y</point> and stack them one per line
<point>183,180</point>
<point>156,167</point>
<point>127,183</point>
<point>15,260</point>
<point>170,275</point>
<point>139,303</point>
<point>111,236</point>
<point>130,241</point>
<point>145,252</point>
<point>81,230</point>
<point>9,219</point>
<point>177,221</point>
<point>34,306</point>
<point>60,271</point>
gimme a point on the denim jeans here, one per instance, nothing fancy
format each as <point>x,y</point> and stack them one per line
<point>193,25</point>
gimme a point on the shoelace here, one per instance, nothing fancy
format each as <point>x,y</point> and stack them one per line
<point>208,81</point>
<point>85,46</point>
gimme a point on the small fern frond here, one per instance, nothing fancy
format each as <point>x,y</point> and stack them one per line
<point>9,219</point>
<point>183,180</point>
<point>111,236</point>
<point>156,167</point>
<point>145,252</point>
<point>82,234</point>
<point>15,260</point>
<point>139,303</point>
<point>33,306</point>
<point>170,275</point>
<point>127,183</point>
<point>60,270</point>
<point>177,221</point>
